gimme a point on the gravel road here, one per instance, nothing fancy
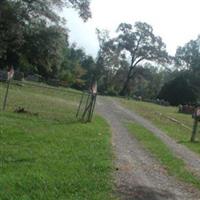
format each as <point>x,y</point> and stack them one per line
<point>138,174</point>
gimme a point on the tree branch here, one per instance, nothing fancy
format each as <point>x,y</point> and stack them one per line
<point>133,67</point>
<point>138,61</point>
<point>137,46</point>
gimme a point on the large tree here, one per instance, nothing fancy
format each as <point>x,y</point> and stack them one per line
<point>187,59</point>
<point>178,91</point>
<point>135,44</point>
<point>24,22</point>
<point>188,56</point>
<point>11,30</point>
<point>77,70</point>
<point>43,50</point>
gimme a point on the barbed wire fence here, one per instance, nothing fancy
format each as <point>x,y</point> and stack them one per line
<point>86,107</point>
<point>87,104</point>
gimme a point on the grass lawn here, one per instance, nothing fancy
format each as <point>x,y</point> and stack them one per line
<point>179,133</point>
<point>172,164</point>
<point>46,154</point>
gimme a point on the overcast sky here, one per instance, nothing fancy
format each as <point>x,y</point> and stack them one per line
<point>176,21</point>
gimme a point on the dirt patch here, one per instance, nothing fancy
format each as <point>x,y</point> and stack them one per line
<point>22,110</point>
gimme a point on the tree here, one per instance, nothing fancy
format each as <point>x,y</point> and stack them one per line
<point>43,49</point>
<point>11,31</point>
<point>77,68</point>
<point>81,5</point>
<point>148,82</point>
<point>188,56</point>
<point>89,65</point>
<point>178,91</point>
<point>135,44</point>
<point>21,21</point>
<point>108,63</point>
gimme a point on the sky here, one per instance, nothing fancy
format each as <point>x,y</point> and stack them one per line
<point>176,21</point>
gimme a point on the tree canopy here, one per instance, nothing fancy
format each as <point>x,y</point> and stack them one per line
<point>34,39</point>
<point>188,56</point>
<point>178,91</point>
<point>132,46</point>
<point>31,30</point>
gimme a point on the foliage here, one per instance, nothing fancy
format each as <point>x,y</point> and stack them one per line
<point>147,82</point>
<point>132,46</point>
<point>188,59</point>
<point>178,91</point>
<point>32,34</point>
<point>77,68</point>
<point>43,48</point>
<point>35,41</point>
<point>11,30</point>
<point>184,88</point>
<point>188,56</point>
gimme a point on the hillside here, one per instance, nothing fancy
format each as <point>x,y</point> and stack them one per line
<point>46,153</point>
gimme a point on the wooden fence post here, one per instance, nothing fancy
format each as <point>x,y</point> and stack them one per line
<point>196,116</point>
<point>10,75</point>
<point>6,95</point>
<point>194,131</point>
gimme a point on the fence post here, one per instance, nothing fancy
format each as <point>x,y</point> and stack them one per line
<point>79,107</point>
<point>6,95</point>
<point>196,116</point>
<point>194,130</point>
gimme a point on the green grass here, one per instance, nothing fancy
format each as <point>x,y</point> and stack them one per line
<point>51,155</point>
<point>172,164</point>
<point>179,133</point>
<point>53,103</point>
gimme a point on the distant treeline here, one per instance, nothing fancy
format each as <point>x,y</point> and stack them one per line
<point>33,39</point>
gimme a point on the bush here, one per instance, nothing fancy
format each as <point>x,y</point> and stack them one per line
<point>178,91</point>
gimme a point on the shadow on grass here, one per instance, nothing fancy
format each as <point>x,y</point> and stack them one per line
<point>188,142</point>
<point>40,118</point>
<point>20,160</point>
<point>144,193</point>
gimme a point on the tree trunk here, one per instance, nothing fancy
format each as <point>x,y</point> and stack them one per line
<point>125,89</point>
